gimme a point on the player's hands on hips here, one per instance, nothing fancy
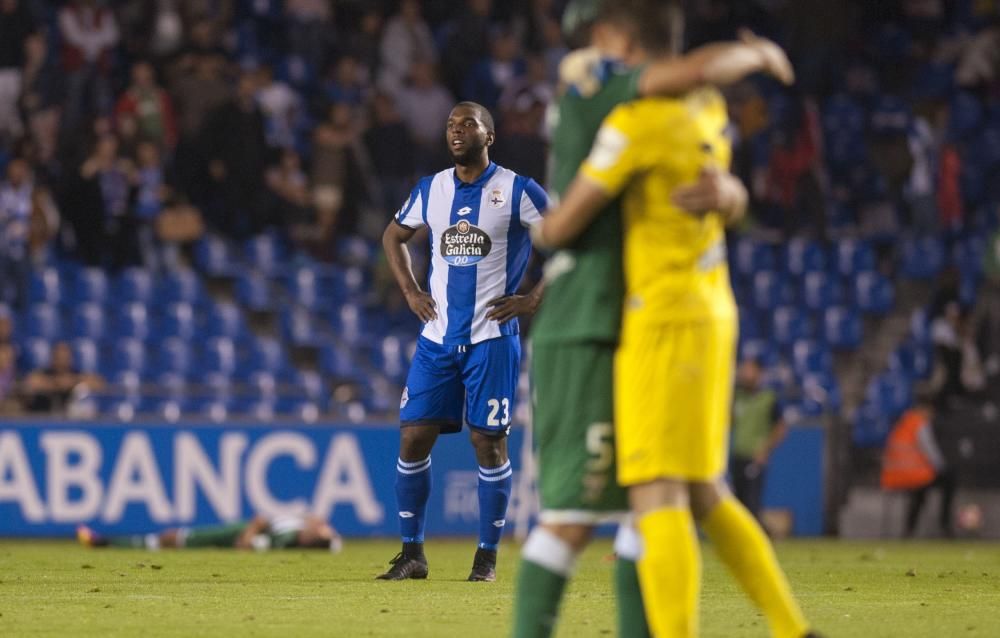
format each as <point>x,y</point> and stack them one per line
<point>505,308</point>
<point>422,305</point>
<point>715,190</point>
<point>774,60</point>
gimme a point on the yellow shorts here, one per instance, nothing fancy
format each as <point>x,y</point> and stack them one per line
<point>673,395</point>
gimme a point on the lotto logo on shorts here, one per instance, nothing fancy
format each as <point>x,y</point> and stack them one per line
<point>464,244</point>
<point>405,398</point>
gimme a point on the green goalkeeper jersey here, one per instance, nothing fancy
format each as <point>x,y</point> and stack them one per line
<point>584,284</point>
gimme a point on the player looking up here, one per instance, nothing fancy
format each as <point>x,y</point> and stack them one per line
<point>576,330</point>
<point>261,532</point>
<point>673,366</point>
<point>469,354</point>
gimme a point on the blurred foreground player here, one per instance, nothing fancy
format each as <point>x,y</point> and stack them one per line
<point>468,357</point>
<point>673,366</point>
<point>260,533</point>
<point>576,331</point>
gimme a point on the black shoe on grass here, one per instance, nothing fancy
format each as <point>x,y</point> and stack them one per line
<point>404,567</point>
<point>484,566</point>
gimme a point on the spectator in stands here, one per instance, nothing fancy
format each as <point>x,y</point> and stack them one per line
<point>9,404</point>
<point>6,327</point>
<point>198,90</point>
<point>43,227</point>
<point>42,96</point>
<point>16,25</point>
<point>486,79</point>
<point>424,103</point>
<point>51,389</point>
<point>290,191</point>
<point>89,33</point>
<point>912,461</point>
<point>309,24</point>
<point>468,43</point>
<point>150,106</point>
<point>150,192</point>
<point>757,428</point>
<point>347,84</point>
<point>233,142</point>
<point>363,43</point>
<point>383,139</point>
<point>406,39</point>
<point>282,109</point>
<point>15,220</point>
<point>945,334</point>
<point>336,175</point>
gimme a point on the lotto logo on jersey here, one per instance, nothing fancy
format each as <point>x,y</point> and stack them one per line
<point>464,244</point>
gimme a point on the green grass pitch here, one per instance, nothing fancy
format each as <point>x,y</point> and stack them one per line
<point>849,590</point>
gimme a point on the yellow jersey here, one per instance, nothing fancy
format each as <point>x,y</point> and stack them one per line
<point>675,262</point>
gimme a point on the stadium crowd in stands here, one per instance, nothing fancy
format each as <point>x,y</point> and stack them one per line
<point>151,149</point>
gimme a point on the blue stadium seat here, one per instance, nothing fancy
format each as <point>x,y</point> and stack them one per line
<point>174,355</point>
<point>298,325</point>
<point>219,355</point>
<point>750,256</point>
<point>338,363</point>
<point>890,117</point>
<point>133,321</point>
<point>214,257</point>
<point>86,355</point>
<point>168,409</point>
<point>750,327</point>
<point>225,320</point>
<point>42,320</point>
<point>265,253</point>
<point>218,385</point>
<point>392,358</point>
<point>788,325</point>
<point>45,287</point>
<point>126,382</point>
<point>967,256</point>
<point>35,354</point>
<point>210,408</point>
<point>128,354</point>
<point>920,325</point>
<point>818,291</point>
<point>922,257</point>
<point>767,285</point>
<point>350,284</point>
<point>356,251</point>
<point>306,410</point>
<point>134,285</point>
<point>180,286</point>
<point>311,384</point>
<point>90,286</point>
<point>823,388</point>
<point>854,256</point>
<point>178,320</point>
<point>912,359</point>
<point>871,427</point>
<point>311,288</point>
<point>254,408</point>
<point>88,321</point>
<point>262,384</point>
<point>254,291</point>
<point>873,293</point>
<point>803,256</point>
<point>349,320</point>
<point>891,392</point>
<point>968,290</point>
<point>267,354</point>
<point>761,351</point>
<point>811,357</point>
<point>964,115</point>
<point>842,328</point>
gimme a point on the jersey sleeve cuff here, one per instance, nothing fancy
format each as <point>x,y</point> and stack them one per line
<point>399,223</point>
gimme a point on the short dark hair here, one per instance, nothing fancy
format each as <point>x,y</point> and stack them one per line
<point>484,114</point>
<point>658,25</point>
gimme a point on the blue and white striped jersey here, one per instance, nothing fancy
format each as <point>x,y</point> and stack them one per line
<point>479,246</point>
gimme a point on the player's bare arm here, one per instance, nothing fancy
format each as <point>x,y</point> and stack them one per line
<point>715,191</point>
<point>584,200</point>
<point>719,64</point>
<point>259,525</point>
<point>394,242</point>
<point>503,309</point>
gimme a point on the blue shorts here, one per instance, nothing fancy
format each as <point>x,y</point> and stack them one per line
<point>479,380</point>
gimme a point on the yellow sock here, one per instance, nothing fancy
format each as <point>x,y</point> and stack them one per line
<point>747,552</point>
<point>669,572</point>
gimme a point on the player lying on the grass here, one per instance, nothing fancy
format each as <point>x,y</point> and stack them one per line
<point>261,532</point>
<point>468,357</point>
<point>673,366</point>
<point>577,327</point>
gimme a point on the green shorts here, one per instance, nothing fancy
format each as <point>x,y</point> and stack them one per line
<point>573,433</point>
<point>214,536</point>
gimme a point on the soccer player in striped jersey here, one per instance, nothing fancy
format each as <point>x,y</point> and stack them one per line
<point>466,365</point>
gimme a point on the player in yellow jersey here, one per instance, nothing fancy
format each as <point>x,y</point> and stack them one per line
<point>669,158</point>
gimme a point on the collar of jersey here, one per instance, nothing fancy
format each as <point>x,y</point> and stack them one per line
<point>482,179</point>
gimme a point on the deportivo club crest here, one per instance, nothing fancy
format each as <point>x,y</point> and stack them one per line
<point>496,198</point>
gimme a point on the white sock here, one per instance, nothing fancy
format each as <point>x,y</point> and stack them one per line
<point>547,550</point>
